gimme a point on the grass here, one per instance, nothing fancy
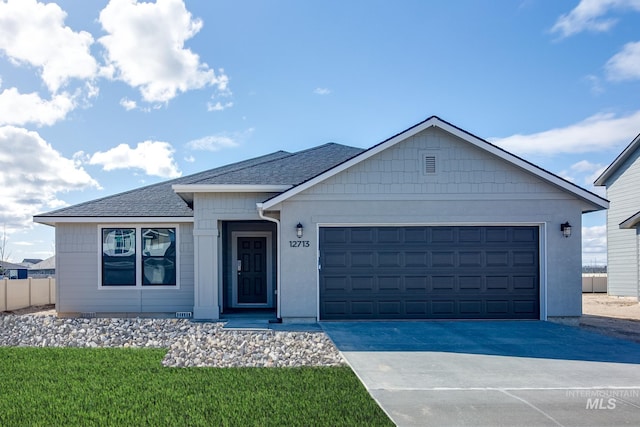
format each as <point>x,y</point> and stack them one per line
<point>102,387</point>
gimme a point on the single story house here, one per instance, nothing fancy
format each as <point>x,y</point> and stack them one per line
<point>432,223</point>
<point>13,271</point>
<point>622,181</point>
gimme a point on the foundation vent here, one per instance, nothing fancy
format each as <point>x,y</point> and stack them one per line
<point>91,315</point>
<point>184,315</point>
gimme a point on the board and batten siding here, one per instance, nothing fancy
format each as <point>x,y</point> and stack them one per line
<point>470,187</point>
<point>623,192</point>
<point>78,265</point>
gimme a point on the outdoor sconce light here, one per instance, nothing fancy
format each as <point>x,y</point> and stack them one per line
<point>299,230</point>
<point>566,229</point>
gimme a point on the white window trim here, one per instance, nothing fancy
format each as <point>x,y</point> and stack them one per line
<point>138,286</point>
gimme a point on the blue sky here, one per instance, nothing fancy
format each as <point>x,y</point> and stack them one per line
<point>103,96</point>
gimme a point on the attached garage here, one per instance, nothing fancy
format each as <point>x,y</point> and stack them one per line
<point>429,272</point>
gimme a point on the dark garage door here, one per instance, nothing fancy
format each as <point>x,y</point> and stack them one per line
<point>429,273</point>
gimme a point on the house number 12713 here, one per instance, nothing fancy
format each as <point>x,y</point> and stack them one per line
<point>299,243</point>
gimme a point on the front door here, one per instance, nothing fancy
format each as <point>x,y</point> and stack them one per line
<point>251,264</point>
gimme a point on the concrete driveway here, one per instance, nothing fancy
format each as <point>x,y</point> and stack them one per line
<point>486,373</point>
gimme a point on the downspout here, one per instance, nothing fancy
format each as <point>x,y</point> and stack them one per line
<point>267,218</point>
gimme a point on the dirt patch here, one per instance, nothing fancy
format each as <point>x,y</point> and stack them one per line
<point>38,310</point>
<point>614,316</point>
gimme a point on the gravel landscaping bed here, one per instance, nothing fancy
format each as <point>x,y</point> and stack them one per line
<point>189,343</point>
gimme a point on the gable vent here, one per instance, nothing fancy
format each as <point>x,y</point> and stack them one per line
<point>429,164</point>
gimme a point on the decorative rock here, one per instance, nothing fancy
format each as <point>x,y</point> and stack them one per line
<point>190,344</point>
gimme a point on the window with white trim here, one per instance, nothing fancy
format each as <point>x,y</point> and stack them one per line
<point>138,256</point>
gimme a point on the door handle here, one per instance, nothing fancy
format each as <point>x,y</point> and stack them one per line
<point>239,266</point>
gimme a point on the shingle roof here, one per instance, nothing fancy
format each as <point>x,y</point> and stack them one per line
<point>159,200</point>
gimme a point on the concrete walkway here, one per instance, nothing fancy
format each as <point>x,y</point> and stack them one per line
<point>523,373</point>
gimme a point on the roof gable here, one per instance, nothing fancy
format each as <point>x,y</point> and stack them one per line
<point>594,202</point>
<point>618,162</point>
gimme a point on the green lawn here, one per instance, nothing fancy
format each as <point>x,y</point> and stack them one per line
<point>87,387</point>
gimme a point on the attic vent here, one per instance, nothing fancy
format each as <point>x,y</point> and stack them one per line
<point>429,165</point>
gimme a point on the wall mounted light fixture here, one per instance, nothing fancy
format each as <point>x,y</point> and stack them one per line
<point>566,229</point>
<point>299,230</point>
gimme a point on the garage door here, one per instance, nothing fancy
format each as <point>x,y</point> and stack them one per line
<point>429,273</point>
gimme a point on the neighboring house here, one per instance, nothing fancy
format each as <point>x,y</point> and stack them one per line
<point>622,180</point>
<point>30,262</point>
<point>45,268</point>
<point>13,271</point>
<point>433,222</point>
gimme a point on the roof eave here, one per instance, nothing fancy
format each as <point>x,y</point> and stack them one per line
<point>631,222</point>
<point>53,220</point>
<point>615,165</point>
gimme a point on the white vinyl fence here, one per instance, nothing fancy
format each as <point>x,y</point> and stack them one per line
<point>594,282</point>
<point>23,293</point>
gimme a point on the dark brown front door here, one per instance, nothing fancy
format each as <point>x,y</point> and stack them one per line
<point>252,270</point>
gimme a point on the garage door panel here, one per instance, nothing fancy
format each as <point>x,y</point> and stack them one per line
<point>497,235</point>
<point>429,272</point>
<point>443,307</point>
<point>497,258</point>
<point>497,283</point>
<point>362,235</point>
<point>470,283</point>
<point>333,259</point>
<point>440,283</point>
<point>364,284</point>
<point>471,258</point>
<point>470,307</point>
<point>416,283</point>
<point>362,308</point>
<point>416,259</point>
<point>362,259</point>
<point>442,235</point>
<point>500,307</point>
<point>389,284</point>
<point>443,259</point>
<point>390,259</point>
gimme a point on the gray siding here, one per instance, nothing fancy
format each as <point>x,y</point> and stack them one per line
<point>78,266</point>
<point>470,188</point>
<point>623,191</point>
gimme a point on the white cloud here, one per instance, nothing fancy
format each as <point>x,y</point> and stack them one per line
<point>590,15</point>
<point>625,65</point>
<point>596,133</point>
<point>218,106</point>
<point>21,108</point>
<point>32,174</point>
<point>212,143</point>
<point>34,33</point>
<point>594,245</point>
<point>128,104</point>
<point>153,157</point>
<point>322,91</point>
<point>587,171</point>
<point>220,141</point>
<point>145,48</point>
<point>594,84</point>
